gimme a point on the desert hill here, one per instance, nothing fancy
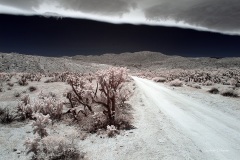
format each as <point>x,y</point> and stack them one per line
<point>13,62</point>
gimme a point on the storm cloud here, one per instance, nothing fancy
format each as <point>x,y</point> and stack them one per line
<point>102,7</point>
<point>105,7</point>
<point>214,15</point>
<point>21,4</point>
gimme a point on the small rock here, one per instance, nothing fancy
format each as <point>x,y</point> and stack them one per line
<point>18,152</point>
<point>14,149</point>
<point>28,132</point>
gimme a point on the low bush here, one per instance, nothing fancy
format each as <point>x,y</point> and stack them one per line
<point>59,147</point>
<point>229,93</point>
<point>25,99</point>
<point>213,90</point>
<point>208,83</point>
<point>112,131</point>
<point>1,111</point>
<point>237,85</point>
<point>17,94</point>
<point>51,147</point>
<point>176,83</point>
<point>7,117</point>
<point>93,123</point>
<point>196,86</point>
<point>10,84</point>
<point>159,79</point>
<point>32,88</point>
<point>46,106</point>
<point>23,81</point>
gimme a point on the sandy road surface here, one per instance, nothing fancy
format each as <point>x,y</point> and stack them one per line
<point>216,133</point>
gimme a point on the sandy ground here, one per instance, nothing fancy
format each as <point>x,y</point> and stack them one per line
<point>171,123</point>
<point>212,128</point>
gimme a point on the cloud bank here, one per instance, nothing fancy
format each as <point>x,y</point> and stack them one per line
<point>213,15</point>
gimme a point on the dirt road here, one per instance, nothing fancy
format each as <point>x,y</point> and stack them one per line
<point>215,133</point>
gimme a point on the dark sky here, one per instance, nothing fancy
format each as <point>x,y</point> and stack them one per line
<point>67,37</point>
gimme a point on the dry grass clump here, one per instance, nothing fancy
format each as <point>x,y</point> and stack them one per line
<point>214,90</point>
<point>229,93</point>
<point>176,83</point>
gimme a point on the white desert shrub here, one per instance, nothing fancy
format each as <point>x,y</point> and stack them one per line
<point>40,124</point>
<point>232,81</point>
<point>112,131</point>
<point>208,83</point>
<point>108,91</point>
<point>58,147</point>
<point>23,81</point>
<point>52,146</point>
<point>197,86</point>
<point>47,106</point>
<point>176,83</point>
<point>159,79</point>
<point>25,99</point>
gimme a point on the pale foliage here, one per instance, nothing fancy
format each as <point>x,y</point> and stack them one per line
<point>45,105</point>
<point>58,147</point>
<point>112,131</point>
<point>176,83</point>
<point>39,126</point>
<point>107,91</point>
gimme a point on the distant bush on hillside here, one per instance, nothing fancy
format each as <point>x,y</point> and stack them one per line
<point>229,93</point>
<point>197,86</point>
<point>213,91</point>
<point>176,83</point>
<point>159,79</point>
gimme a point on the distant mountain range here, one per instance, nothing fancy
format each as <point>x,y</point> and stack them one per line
<point>13,62</point>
